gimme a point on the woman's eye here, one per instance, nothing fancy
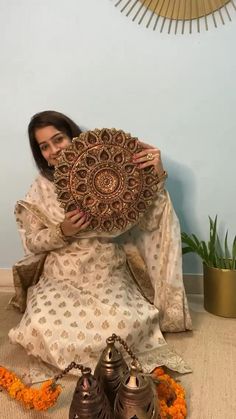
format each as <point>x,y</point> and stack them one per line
<point>44,147</point>
<point>59,139</point>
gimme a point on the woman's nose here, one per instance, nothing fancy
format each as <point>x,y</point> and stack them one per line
<point>54,148</point>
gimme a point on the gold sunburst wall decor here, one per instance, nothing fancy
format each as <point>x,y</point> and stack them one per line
<point>174,14</point>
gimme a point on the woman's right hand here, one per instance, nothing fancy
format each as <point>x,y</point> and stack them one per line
<point>74,222</point>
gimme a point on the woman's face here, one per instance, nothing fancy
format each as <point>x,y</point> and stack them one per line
<point>51,142</point>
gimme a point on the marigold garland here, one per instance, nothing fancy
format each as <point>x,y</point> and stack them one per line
<point>32,398</point>
<point>171,396</point>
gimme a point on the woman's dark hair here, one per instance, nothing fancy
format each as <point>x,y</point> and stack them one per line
<point>44,119</point>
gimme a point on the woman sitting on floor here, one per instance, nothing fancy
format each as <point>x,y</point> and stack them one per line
<point>80,289</point>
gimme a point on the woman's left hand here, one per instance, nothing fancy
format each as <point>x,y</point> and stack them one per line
<point>150,156</point>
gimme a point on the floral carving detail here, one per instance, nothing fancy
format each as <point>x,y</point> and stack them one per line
<point>96,174</point>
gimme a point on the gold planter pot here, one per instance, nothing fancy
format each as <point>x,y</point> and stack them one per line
<point>220,291</point>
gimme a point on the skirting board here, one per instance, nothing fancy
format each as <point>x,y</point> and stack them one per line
<point>6,281</point>
<point>193,282</point>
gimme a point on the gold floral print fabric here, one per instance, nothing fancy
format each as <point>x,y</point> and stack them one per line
<point>85,290</point>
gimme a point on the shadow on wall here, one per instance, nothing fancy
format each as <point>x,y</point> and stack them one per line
<point>181,185</point>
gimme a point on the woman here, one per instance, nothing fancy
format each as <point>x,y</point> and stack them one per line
<point>84,288</point>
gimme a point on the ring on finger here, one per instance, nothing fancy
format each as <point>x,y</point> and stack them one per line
<point>150,156</point>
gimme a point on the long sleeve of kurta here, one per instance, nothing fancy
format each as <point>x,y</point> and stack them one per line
<point>38,238</point>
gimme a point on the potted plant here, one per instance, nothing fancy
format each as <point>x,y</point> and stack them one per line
<point>219,270</point>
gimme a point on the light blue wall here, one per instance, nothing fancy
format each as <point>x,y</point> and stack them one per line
<point>85,58</point>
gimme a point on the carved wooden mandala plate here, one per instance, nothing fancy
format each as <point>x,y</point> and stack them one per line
<point>96,174</point>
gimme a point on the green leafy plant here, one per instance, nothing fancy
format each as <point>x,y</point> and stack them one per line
<point>213,253</point>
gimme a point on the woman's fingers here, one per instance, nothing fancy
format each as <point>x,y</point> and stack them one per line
<point>144,155</point>
<point>85,225</point>
<point>70,214</point>
<point>74,223</point>
<point>82,224</point>
<point>146,164</point>
<point>77,217</point>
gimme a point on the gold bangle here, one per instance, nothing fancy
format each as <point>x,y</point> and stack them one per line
<point>60,234</point>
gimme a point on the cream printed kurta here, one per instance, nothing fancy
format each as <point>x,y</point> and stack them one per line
<point>95,285</point>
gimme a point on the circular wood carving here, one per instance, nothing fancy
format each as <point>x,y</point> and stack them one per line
<point>97,175</point>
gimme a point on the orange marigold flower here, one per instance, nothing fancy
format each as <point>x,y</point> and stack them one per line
<point>38,399</point>
<point>158,372</point>
<point>171,395</point>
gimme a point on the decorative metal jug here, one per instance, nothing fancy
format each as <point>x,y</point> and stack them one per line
<point>110,369</point>
<point>136,398</point>
<point>89,400</point>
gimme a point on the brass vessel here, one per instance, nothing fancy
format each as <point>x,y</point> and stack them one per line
<point>110,369</point>
<point>89,400</point>
<point>136,397</point>
<point>220,291</point>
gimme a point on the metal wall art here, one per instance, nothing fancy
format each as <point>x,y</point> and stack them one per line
<point>174,14</point>
<point>97,175</point>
